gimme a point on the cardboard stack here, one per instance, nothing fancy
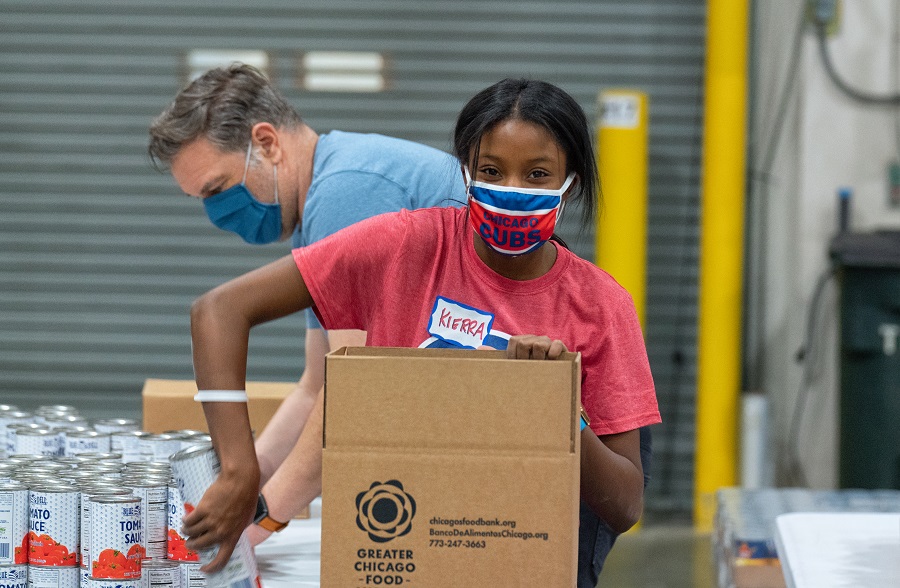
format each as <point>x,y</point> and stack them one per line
<point>449,468</point>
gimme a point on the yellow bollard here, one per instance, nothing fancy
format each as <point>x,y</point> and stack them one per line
<point>621,240</point>
<point>721,254</point>
<point>622,161</point>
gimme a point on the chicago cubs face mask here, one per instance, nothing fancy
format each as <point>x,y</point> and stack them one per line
<point>511,220</point>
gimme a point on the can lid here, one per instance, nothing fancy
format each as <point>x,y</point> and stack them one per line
<point>58,408</point>
<point>191,452</point>
<point>139,434</point>
<point>30,432</point>
<point>110,489</point>
<point>87,433</point>
<point>188,432</point>
<point>107,456</point>
<point>147,465</point>
<point>10,486</point>
<point>114,498</point>
<point>45,487</point>
<point>145,482</point>
<point>159,563</point>
<point>116,422</point>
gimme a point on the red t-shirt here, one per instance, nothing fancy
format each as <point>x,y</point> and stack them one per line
<point>413,279</point>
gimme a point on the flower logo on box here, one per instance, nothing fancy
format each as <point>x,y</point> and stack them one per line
<point>385,511</point>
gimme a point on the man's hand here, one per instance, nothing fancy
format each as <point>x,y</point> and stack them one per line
<point>224,512</point>
<point>256,535</point>
<point>534,347</point>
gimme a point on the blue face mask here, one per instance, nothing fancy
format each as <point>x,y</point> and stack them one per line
<point>238,211</point>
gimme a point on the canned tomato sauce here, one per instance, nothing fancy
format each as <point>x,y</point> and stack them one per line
<point>13,524</point>
<point>117,537</point>
<point>79,442</point>
<point>85,518</point>
<point>53,526</point>
<point>104,583</point>
<point>154,504</point>
<point>160,573</point>
<point>13,576</point>
<point>116,425</point>
<point>175,547</point>
<point>128,444</point>
<point>191,576</point>
<point>37,442</point>
<point>53,577</point>
<point>194,470</point>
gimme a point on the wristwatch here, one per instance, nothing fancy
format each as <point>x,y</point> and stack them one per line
<point>263,519</point>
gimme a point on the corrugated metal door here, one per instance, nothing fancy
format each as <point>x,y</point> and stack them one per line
<point>100,256</point>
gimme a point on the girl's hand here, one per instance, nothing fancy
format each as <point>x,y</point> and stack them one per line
<point>534,347</point>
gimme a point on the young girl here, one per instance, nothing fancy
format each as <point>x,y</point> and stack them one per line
<point>525,150</point>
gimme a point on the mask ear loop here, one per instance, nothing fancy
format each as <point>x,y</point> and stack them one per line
<point>247,162</point>
<point>275,174</point>
<point>562,204</point>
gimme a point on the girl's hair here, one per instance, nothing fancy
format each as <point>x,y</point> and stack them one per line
<point>221,105</point>
<point>545,105</point>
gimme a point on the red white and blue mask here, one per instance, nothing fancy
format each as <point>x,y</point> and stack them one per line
<point>511,220</point>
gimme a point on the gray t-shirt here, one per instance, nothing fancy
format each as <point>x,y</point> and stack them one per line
<point>357,176</point>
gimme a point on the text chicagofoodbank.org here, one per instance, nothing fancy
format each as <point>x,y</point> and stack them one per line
<point>480,527</point>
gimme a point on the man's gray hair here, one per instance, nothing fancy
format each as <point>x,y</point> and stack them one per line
<point>221,105</point>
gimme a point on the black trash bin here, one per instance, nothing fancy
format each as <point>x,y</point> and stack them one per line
<point>868,267</point>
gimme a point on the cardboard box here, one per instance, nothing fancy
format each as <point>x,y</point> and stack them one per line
<point>449,468</point>
<point>169,404</point>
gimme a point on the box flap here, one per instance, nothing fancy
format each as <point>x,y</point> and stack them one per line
<point>423,398</point>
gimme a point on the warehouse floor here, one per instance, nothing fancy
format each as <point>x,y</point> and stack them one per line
<point>668,556</point>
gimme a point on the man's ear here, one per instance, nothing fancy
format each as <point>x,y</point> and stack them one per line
<point>266,136</point>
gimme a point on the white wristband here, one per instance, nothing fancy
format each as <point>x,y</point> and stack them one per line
<point>221,396</point>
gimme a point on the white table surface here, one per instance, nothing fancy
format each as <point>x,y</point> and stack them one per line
<point>839,550</point>
<point>290,558</point>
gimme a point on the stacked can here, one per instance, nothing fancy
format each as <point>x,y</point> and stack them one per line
<point>36,441</point>
<point>7,420</point>
<point>153,494</point>
<point>162,446</point>
<point>42,413</point>
<point>90,491</point>
<point>13,531</point>
<point>176,549</point>
<point>128,444</point>
<point>5,411</point>
<point>195,469</point>
<point>57,420</point>
<point>117,536</point>
<point>7,470</point>
<point>191,437</point>
<point>53,536</point>
<point>161,573</point>
<point>116,425</point>
<point>88,441</point>
<point>14,576</point>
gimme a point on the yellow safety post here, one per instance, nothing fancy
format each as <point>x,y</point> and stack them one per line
<point>622,222</point>
<point>721,254</point>
<point>622,162</point>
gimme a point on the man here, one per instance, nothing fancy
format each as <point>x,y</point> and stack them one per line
<point>231,139</point>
